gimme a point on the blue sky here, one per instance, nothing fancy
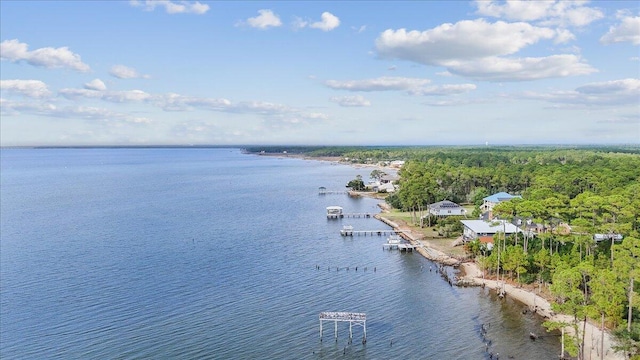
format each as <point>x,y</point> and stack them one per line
<point>319,73</point>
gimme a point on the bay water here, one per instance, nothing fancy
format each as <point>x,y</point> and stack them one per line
<point>209,253</point>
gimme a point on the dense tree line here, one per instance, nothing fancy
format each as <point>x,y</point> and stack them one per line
<point>587,191</point>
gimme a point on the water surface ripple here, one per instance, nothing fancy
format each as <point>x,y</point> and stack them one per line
<point>213,254</point>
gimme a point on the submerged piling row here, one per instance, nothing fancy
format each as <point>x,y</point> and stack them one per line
<point>347,268</point>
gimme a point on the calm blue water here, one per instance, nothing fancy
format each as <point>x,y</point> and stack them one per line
<point>213,254</point>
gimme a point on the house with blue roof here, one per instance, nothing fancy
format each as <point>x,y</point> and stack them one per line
<point>491,201</point>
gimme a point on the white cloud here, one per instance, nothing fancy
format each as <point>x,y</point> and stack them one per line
<point>378,84</point>
<point>48,57</point>
<point>476,49</point>
<point>125,72</point>
<point>173,7</point>
<point>522,69</point>
<point>447,89</point>
<point>627,31</point>
<point>95,84</point>
<point>351,101</point>
<point>126,96</point>
<point>623,86</point>
<point>467,39</point>
<point>328,22</point>
<point>563,36</point>
<point>80,112</point>
<point>413,86</point>
<point>554,12</point>
<point>177,102</point>
<point>30,88</point>
<point>607,93</point>
<point>264,20</point>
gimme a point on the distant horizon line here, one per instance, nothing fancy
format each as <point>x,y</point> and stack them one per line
<point>267,146</point>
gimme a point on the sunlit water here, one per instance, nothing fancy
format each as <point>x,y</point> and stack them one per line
<point>211,253</point>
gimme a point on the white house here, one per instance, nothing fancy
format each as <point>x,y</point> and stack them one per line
<point>446,208</point>
<point>485,230</point>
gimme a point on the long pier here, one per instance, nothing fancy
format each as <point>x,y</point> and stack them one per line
<point>348,231</point>
<point>323,191</point>
<point>349,215</point>
<point>358,319</point>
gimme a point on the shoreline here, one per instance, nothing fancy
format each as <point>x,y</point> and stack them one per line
<point>469,274</point>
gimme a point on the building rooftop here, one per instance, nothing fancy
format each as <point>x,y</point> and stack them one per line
<point>444,204</point>
<point>501,196</point>
<point>485,227</point>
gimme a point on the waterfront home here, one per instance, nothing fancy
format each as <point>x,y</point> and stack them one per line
<point>485,230</point>
<point>491,201</point>
<point>385,184</point>
<point>446,208</point>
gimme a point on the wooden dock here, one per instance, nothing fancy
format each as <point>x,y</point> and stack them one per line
<point>347,230</point>
<point>394,242</point>
<point>349,215</point>
<point>401,247</point>
<point>323,191</point>
<point>358,319</point>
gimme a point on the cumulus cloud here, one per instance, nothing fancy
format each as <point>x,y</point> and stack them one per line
<point>328,22</point>
<point>95,84</point>
<point>29,88</point>
<point>467,39</point>
<point>172,7</point>
<point>378,84</point>
<point>48,57</point>
<point>555,12</point>
<point>351,101</point>
<point>477,49</point>
<point>265,19</point>
<point>628,30</point>
<point>125,72</point>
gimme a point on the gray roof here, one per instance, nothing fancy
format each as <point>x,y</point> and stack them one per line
<point>444,204</point>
